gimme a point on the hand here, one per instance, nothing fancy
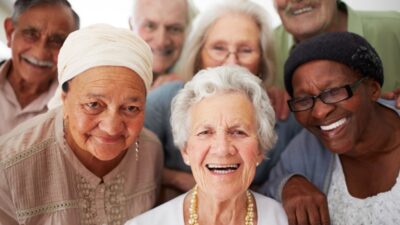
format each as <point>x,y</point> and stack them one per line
<point>304,203</point>
<point>393,95</point>
<point>164,78</point>
<point>279,99</point>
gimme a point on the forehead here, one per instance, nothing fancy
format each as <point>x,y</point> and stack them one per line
<point>234,26</point>
<point>108,78</point>
<point>230,107</point>
<point>173,11</point>
<point>56,17</point>
<point>323,73</point>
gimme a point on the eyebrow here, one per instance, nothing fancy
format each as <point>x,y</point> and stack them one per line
<point>130,99</point>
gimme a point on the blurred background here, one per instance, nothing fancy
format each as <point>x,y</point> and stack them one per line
<point>117,12</point>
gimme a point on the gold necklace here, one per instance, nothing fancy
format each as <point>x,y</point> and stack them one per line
<point>193,216</point>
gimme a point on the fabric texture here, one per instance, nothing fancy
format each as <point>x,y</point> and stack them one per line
<point>306,156</point>
<point>43,182</point>
<point>102,45</point>
<point>171,213</point>
<point>380,29</point>
<point>11,113</point>
<point>383,208</point>
<point>343,47</point>
<point>157,119</point>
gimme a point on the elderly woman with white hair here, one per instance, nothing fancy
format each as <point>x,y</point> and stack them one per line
<point>223,123</point>
<point>88,161</point>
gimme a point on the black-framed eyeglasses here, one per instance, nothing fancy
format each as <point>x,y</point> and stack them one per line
<point>330,96</point>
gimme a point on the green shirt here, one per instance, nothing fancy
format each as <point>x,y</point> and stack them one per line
<point>381,29</point>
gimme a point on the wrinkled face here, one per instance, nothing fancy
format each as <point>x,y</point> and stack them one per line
<point>340,126</point>
<point>233,39</point>
<point>162,26</point>
<point>35,41</point>
<point>104,111</point>
<point>222,147</point>
<point>306,18</point>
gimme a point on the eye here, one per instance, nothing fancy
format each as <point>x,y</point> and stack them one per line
<point>132,110</point>
<point>31,34</point>
<point>245,50</point>
<point>204,133</point>
<point>219,48</point>
<point>238,133</point>
<point>175,29</point>
<point>149,26</point>
<point>92,107</point>
<point>55,41</point>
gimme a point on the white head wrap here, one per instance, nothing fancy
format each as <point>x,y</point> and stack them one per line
<point>102,45</point>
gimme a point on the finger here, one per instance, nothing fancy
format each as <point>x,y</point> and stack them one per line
<point>302,217</point>
<point>324,213</point>
<point>291,214</point>
<point>313,215</point>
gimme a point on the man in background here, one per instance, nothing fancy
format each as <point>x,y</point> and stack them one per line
<point>35,32</point>
<point>303,19</point>
<point>163,25</point>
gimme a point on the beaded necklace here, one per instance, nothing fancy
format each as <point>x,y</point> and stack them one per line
<point>193,216</point>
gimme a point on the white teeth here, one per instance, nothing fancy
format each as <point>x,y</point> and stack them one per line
<point>333,125</point>
<point>216,166</point>
<point>38,62</point>
<point>302,10</point>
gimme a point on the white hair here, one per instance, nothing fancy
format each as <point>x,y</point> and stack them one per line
<point>217,80</point>
<point>189,62</point>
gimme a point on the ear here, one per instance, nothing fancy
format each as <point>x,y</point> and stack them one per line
<point>130,22</point>
<point>260,156</point>
<point>9,29</point>
<point>374,90</point>
<point>63,96</point>
<point>185,155</point>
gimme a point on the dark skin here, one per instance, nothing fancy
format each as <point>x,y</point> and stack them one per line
<point>364,156</point>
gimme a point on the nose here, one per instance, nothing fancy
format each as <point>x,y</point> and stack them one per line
<point>222,146</point>
<point>161,38</point>
<point>112,124</point>
<point>40,50</point>
<point>231,59</point>
<point>321,110</point>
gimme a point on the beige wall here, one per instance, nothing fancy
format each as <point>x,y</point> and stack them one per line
<point>5,11</point>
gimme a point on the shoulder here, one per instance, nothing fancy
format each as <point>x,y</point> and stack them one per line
<point>269,211</point>
<point>28,138</point>
<point>169,213</point>
<point>165,91</point>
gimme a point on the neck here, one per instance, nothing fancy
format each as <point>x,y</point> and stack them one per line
<point>26,91</point>
<point>211,211</point>
<point>386,123</point>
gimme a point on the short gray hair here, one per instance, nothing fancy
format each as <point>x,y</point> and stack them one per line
<point>217,80</point>
<point>20,6</point>
<point>189,63</point>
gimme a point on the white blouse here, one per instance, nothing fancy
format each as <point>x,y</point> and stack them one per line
<point>382,209</point>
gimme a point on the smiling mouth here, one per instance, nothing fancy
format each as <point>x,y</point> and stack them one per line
<point>222,169</point>
<point>37,63</point>
<point>334,125</point>
<point>302,10</point>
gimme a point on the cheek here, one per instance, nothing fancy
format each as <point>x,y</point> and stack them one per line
<point>197,152</point>
<point>134,126</point>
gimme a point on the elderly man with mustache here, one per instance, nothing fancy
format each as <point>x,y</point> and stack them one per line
<point>35,32</point>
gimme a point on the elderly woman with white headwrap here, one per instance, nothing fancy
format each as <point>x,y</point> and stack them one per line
<point>88,161</point>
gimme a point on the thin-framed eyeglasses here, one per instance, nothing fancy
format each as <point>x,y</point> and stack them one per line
<point>330,96</point>
<point>243,54</point>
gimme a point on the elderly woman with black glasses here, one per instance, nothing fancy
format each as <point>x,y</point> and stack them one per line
<point>351,148</point>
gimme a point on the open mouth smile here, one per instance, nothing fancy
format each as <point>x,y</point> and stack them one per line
<point>222,169</point>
